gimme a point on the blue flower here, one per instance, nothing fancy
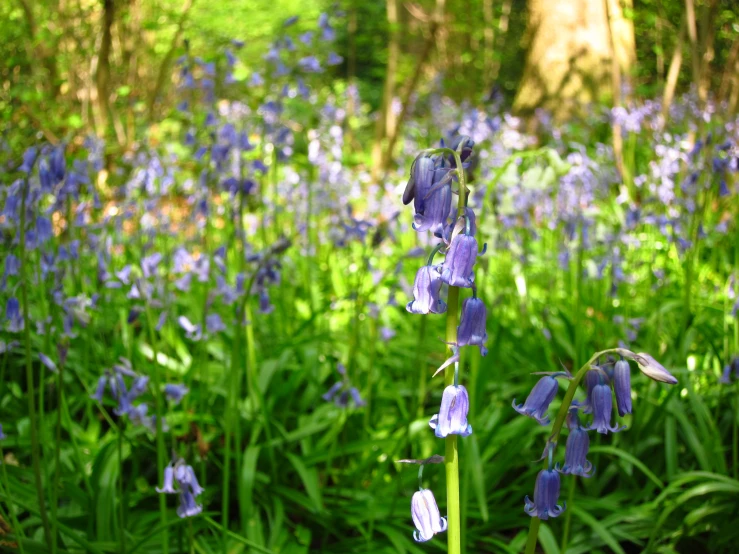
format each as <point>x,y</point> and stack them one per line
<point>2,435</point>
<point>29,159</point>
<point>653,369</point>
<point>546,495</point>
<point>471,330</point>
<point>426,289</point>
<point>426,516</point>
<point>175,392</point>
<point>576,449</point>
<point>13,315</point>
<point>188,507</point>
<point>602,406</point>
<point>310,64</point>
<point>537,403</point>
<point>460,259</point>
<point>452,416</point>
<point>168,481</point>
<point>622,386</point>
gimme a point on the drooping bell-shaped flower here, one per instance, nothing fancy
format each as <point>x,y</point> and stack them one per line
<point>426,290</point>
<point>537,403</point>
<point>622,386</point>
<point>546,495</point>
<point>452,416</point>
<point>188,507</point>
<point>175,392</point>
<point>420,182</point>
<point>167,485</point>
<point>592,378</point>
<point>653,369</point>
<point>426,516</point>
<point>437,203</point>
<point>471,330</point>
<point>602,406</point>
<point>460,259</point>
<point>576,449</point>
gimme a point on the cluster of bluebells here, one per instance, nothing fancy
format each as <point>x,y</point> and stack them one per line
<point>430,188</point>
<point>342,391</point>
<point>188,488</point>
<point>602,383</point>
<point>125,396</point>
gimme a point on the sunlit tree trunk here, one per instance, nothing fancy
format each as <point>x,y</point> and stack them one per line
<point>102,74</point>
<point>568,61</point>
<point>384,126</point>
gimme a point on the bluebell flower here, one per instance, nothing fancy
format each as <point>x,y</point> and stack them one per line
<point>331,393</point>
<point>471,330</point>
<point>214,323</point>
<point>426,516</point>
<point>265,305</point>
<point>2,434</point>
<point>12,265</point>
<point>537,403</point>
<point>622,386</point>
<point>426,289</point>
<point>175,392</point>
<point>310,64</point>
<point>44,231</point>
<point>48,362</point>
<point>306,38</point>
<point>576,449</point>
<point>168,481</point>
<point>334,59</point>
<point>139,386</point>
<point>100,388</point>
<point>192,331</point>
<point>452,416</point>
<point>602,406</point>
<point>188,507</point>
<point>592,378</point>
<point>546,495</point>
<point>186,478</point>
<point>29,159</point>
<point>437,203</point>
<point>653,369</point>
<point>13,315</point>
<point>460,259</point>
<point>291,21</point>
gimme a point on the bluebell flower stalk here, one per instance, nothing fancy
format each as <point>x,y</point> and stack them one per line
<point>28,159</point>
<point>600,405</point>
<point>451,376</point>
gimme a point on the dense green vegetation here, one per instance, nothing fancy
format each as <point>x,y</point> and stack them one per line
<point>207,259</point>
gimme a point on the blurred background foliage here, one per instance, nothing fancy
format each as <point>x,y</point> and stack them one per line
<point>52,50</point>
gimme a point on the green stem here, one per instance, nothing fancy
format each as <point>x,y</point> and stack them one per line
<point>533,535</point>
<point>121,504</point>
<point>451,453</point>
<point>557,428</point>
<point>568,515</point>
<point>36,458</point>
<point>161,452</point>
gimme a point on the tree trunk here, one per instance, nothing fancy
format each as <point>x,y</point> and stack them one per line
<point>102,74</point>
<point>385,118</point>
<point>568,62</point>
